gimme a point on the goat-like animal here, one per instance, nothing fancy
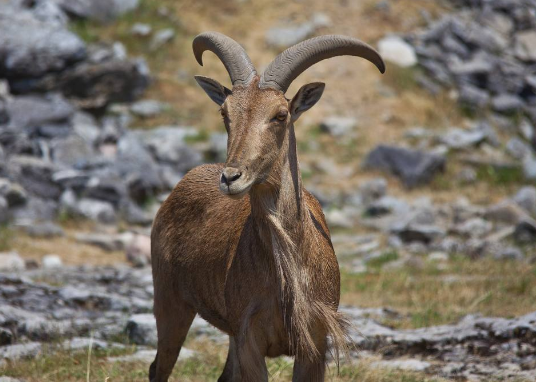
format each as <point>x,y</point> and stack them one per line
<point>243,244</point>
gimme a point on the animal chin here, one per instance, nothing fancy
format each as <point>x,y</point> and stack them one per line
<point>235,192</point>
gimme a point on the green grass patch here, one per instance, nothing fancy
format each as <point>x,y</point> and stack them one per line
<point>383,259</point>
<point>401,79</point>
<point>56,366</point>
<point>6,234</point>
<point>501,176</point>
<point>437,296</point>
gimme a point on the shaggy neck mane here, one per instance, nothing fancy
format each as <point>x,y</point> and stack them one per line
<point>282,219</point>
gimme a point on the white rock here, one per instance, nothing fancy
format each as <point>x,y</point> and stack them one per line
<point>438,256</point>
<point>396,50</point>
<point>140,29</point>
<point>51,261</point>
<point>403,364</point>
<point>11,261</point>
<point>148,356</point>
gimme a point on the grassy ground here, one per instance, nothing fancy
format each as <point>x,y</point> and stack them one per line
<point>207,365</point>
<point>435,295</point>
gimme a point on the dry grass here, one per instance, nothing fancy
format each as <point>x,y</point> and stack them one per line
<point>207,365</point>
<point>432,296</point>
<point>67,248</point>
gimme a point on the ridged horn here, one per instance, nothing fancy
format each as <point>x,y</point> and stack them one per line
<point>295,60</point>
<point>233,56</point>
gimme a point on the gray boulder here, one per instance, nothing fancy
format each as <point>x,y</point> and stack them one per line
<point>35,175</point>
<point>147,108</point>
<point>20,351</point>
<point>507,103</point>
<point>11,261</point>
<point>167,145</point>
<point>526,199</point>
<point>338,126</point>
<point>72,152</point>
<point>411,166</point>
<point>525,48</point>
<point>95,84</point>
<point>99,10</point>
<point>162,37</point>
<point>32,111</point>
<point>42,47</point>
<point>460,138</point>
<point>473,96</point>
<point>45,229</point>
<point>141,329</point>
<point>287,35</point>
<point>14,194</point>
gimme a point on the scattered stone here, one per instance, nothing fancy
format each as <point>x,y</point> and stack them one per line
<point>142,30</point>
<point>97,210</point>
<point>418,233</point>
<point>459,139</point>
<point>51,262</point>
<point>338,126</point>
<point>105,241</point>
<point>285,36</point>
<point>138,252</point>
<point>55,45</point>
<point>146,108</point>
<point>526,199</point>
<point>148,356</point>
<point>162,37</point>
<point>6,337</point>
<point>20,351</point>
<point>99,10</point>
<point>338,218</point>
<point>412,167</point>
<point>529,167</point>
<point>45,230</point>
<point>11,261</point>
<point>507,103</point>
<point>403,364</point>
<point>505,212</point>
<point>525,48</point>
<point>518,149</point>
<point>141,329</point>
<point>372,190</point>
<point>396,50</point>
<point>509,253</point>
<point>473,96</point>
<point>33,111</point>
<point>467,175</point>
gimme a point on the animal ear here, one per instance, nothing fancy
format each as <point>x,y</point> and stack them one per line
<point>306,98</point>
<point>216,91</point>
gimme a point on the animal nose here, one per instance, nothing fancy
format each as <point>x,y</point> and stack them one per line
<point>230,174</point>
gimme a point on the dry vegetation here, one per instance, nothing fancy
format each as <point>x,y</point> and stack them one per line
<point>207,365</point>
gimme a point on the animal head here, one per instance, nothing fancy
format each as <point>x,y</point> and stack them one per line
<point>256,113</point>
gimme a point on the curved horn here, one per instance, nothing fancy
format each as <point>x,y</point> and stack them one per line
<point>233,56</point>
<point>296,59</point>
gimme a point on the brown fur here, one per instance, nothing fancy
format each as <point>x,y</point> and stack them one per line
<point>260,268</point>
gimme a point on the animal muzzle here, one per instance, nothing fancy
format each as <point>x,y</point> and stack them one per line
<point>234,182</point>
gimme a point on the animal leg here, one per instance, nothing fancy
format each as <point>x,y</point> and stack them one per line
<point>173,320</point>
<point>251,362</point>
<point>306,370</point>
<point>230,372</point>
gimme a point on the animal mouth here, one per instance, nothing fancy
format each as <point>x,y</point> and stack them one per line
<point>236,190</point>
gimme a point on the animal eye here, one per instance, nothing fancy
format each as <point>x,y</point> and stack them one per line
<point>282,115</point>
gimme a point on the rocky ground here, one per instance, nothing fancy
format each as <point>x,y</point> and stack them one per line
<point>447,172</point>
<point>103,305</point>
